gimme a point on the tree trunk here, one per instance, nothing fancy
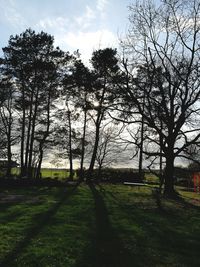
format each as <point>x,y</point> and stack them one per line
<point>32,136</point>
<point>29,170</point>
<point>22,172</point>
<point>83,146</point>
<point>71,172</point>
<point>98,124</point>
<point>7,123</point>
<point>28,133</point>
<point>161,160</point>
<point>38,169</point>
<point>22,168</point>
<point>42,142</point>
<point>141,148</point>
<point>94,153</point>
<point>98,178</point>
<point>169,178</point>
<point>9,156</point>
<point>141,141</point>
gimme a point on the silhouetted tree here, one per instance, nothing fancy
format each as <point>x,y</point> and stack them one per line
<point>106,70</point>
<point>83,80</point>
<point>33,62</point>
<point>3,98</point>
<point>7,117</point>
<point>109,147</point>
<point>164,40</point>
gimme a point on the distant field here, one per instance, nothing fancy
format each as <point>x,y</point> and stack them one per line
<point>49,173</point>
<point>64,173</point>
<point>151,178</point>
<point>55,173</point>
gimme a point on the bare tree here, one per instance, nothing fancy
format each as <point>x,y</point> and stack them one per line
<point>163,50</point>
<point>109,146</point>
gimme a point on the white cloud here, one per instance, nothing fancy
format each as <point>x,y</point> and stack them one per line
<point>58,23</point>
<point>101,7</point>
<point>83,32</point>
<point>101,4</point>
<point>79,33</point>
<point>61,24</point>
<point>86,19</point>
<point>87,42</point>
<point>10,14</point>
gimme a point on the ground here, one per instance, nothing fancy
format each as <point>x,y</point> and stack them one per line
<point>101,226</point>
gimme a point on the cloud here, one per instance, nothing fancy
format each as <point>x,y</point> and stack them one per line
<point>10,14</point>
<point>87,42</point>
<point>101,4</point>
<point>61,23</point>
<point>86,19</point>
<point>85,31</point>
<point>101,7</point>
<point>58,23</point>
<point>79,32</point>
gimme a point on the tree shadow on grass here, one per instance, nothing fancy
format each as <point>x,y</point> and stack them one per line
<point>41,221</point>
<point>107,249</point>
<point>165,234</point>
<point>186,203</point>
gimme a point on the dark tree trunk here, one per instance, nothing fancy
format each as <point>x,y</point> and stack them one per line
<point>94,153</point>
<point>29,169</point>
<point>141,148</point>
<point>83,146</point>
<point>28,133</point>
<point>98,124</point>
<point>7,121</point>
<point>32,136</point>
<point>99,175</point>
<point>169,177</point>
<point>9,156</point>
<point>42,142</point>
<point>141,141</point>
<point>22,172</point>
<point>96,143</point>
<point>71,171</point>
<point>161,160</point>
<point>38,170</point>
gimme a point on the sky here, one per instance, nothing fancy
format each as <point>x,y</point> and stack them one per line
<point>75,24</point>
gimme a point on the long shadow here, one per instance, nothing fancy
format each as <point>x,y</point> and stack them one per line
<point>155,225</point>
<point>108,248</point>
<point>186,204</point>
<point>41,221</point>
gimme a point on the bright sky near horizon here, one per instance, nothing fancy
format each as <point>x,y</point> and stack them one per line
<point>76,24</point>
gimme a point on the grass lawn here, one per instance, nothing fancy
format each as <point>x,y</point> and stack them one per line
<point>102,226</point>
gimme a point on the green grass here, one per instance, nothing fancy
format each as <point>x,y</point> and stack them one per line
<point>109,225</point>
<point>55,173</point>
<point>151,178</point>
<point>49,173</point>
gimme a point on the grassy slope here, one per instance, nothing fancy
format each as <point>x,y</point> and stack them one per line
<point>95,227</point>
